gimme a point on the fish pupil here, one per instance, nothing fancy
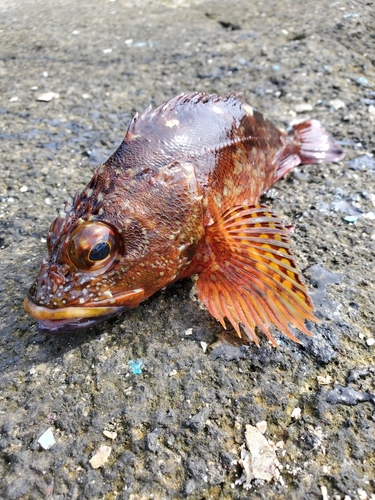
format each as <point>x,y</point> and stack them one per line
<point>100,251</point>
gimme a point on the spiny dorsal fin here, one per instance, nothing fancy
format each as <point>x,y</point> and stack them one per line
<point>253,279</point>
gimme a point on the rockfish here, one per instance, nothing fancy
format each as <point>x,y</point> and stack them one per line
<point>180,197</point>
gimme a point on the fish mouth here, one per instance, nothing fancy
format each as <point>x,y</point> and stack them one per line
<point>71,318</point>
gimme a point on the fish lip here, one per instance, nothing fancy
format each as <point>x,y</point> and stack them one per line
<point>57,326</point>
<point>70,318</point>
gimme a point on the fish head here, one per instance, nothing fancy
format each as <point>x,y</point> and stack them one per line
<point>120,241</point>
<point>78,283</point>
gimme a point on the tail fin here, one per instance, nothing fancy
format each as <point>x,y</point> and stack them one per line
<point>308,142</point>
<point>314,144</point>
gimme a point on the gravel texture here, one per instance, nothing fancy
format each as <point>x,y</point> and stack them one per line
<point>71,76</point>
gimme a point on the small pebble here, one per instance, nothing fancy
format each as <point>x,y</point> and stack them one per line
<point>324,380</point>
<point>296,413</point>
<point>47,439</point>
<point>324,491</point>
<point>107,51</point>
<point>204,346</point>
<point>370,342</point>
<point>110,435</point>
<point>369,216</point>
<point>101,456</point>
<point>13,99</point>
<point>362,495</point>
<point>23,189</point>
<point>337,104</point>
<point>48,96</point>
<point>303,108</point>
<point>261,426</point>
<point>47,201</point>
<point>189,331</point>
<point>172,373</point>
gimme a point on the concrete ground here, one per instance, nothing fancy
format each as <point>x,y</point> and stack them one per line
<point>175,430</point>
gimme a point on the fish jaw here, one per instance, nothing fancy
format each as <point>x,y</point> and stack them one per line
<point>71,318</point>
<point>57,326</point>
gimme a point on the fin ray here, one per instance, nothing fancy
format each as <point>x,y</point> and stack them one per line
<point>275,285</point>
<point>278,310</point>
<point>253,280</point>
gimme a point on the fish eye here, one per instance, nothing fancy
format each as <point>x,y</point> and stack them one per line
<point>93,246</point>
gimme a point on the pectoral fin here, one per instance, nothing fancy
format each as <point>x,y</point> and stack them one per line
<point>252,278</point>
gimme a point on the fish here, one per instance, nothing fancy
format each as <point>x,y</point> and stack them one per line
<point>180,197</point>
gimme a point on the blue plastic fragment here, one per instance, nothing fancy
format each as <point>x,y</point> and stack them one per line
<point>276,67</point>
<point>351,218</point>
<point>136,366</point>
<point>362,80</point>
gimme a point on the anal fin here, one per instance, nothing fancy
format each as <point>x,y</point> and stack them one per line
<point>252,279</point>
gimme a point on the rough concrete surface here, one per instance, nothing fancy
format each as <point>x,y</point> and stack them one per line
<point>176,425</point>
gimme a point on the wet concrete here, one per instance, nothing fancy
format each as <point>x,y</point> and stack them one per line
<point>179,423</point>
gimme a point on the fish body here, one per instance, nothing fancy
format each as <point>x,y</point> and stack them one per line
<point>180,197</point>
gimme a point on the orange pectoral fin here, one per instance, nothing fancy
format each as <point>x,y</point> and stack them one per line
<point>253,279</point>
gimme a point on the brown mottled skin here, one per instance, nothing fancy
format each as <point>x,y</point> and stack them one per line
<point>178,169</point>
